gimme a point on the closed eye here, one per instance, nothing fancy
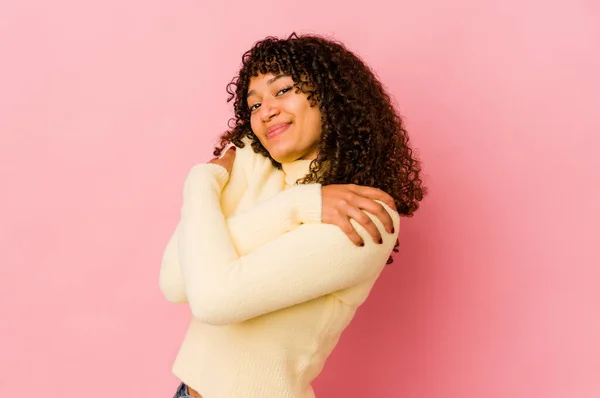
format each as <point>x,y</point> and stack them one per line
<point>284,90</point>
<point>279,93</point>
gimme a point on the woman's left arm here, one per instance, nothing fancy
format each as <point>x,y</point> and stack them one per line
<point>311,261</point>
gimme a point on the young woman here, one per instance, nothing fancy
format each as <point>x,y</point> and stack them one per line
<point>282,236</point>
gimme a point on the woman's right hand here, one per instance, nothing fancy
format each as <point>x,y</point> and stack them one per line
<point>342,202</point>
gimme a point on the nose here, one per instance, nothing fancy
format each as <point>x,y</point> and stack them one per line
<point>268,109</point>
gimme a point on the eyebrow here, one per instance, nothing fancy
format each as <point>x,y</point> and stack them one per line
<point>269,82</point>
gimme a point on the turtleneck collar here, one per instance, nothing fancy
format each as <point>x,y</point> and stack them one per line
<point>295,170</point>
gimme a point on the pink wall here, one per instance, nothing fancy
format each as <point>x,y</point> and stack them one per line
<point>105,105</point>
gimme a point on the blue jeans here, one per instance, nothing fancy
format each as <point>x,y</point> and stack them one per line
<point>182,392</point>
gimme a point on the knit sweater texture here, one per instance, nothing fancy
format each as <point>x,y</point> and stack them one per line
<point>270,287</point>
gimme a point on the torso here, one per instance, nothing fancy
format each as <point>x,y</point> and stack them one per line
<point>316,323</point>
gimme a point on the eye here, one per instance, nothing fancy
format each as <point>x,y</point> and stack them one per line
<point>283,91</point>
<point>254,107</point>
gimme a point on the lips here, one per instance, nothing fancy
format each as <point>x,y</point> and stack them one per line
<point>277,129</point>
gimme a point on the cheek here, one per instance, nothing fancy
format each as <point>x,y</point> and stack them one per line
<point>315,120</point>
<point>254,124</point>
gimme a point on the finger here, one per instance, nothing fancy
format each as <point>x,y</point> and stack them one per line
<point>228,159</point>
<point>230,151</point>
<point>378,211</point>
<point>375,194</point>
<point>226,150</point>
<point>344,224</point>
<point>360,217</point>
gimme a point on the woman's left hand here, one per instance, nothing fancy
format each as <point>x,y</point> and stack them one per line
<point>226,160</point>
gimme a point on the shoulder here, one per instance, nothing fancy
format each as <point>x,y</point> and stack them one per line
<point>246,155</point>
<point>371,249</point>
<point>336,243</point>
<point>249,163</point>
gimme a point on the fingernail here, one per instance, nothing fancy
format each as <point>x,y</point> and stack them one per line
<point>233,148</point>
<point>361,244</point>
<point>393,230</point>
<point>380,240</point>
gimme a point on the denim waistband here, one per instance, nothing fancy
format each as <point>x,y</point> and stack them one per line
<point>182,392</point>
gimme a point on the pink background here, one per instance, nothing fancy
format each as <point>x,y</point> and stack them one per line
<point>105,105</point>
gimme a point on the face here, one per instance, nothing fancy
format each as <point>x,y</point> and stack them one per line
<point>283,120</point>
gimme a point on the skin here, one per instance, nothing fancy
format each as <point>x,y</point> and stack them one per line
<point>273,101</point>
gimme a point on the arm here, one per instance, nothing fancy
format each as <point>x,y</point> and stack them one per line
<point>250,229</point>
<point>311,261</point>
<point>170,280</point>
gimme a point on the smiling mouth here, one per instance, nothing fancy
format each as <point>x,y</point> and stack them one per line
<point>278,129</point>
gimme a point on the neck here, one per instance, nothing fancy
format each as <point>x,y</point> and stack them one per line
<point>295,170</point>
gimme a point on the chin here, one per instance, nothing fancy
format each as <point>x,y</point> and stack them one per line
<point>283,155</point>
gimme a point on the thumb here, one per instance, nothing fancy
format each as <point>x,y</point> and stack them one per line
<point>228,149</point>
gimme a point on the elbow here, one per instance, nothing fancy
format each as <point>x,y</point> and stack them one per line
<point>172,290</point>
<point>174,298</point>
<point>208,317</point>
<point>173,295</point>
<point>213,311</point>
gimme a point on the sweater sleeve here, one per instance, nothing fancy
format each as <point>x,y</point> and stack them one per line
<point>307,262</point>
<point>250,229</point>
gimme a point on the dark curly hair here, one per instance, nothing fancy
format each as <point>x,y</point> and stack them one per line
<point>363,138</point>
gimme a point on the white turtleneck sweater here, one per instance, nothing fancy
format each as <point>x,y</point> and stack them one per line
<point>269,286</point>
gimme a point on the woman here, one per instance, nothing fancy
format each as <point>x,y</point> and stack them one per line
<point>261,253</point>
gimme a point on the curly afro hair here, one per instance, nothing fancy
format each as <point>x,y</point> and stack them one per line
<point>363,138</point>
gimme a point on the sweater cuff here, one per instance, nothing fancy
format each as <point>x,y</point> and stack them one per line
<point>219,172</point>
<point>308,203</point>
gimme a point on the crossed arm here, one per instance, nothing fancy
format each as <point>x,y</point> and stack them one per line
<point>301,263</point>
<point>250,229</point>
